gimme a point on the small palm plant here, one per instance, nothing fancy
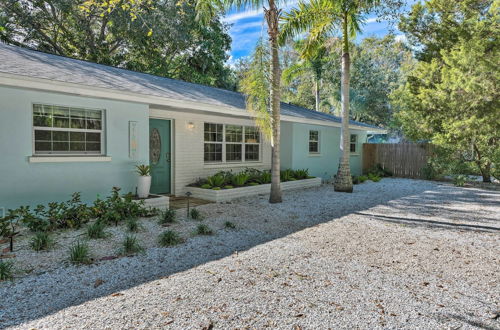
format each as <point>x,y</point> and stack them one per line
<point>169,238</point>
<point>41,241</point>
<point>203,229</point>
<point>79,254</point>
<point>131,245</point>
<point>6,270</point>
<point>143,170</point>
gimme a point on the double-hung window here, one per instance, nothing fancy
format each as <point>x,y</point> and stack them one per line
<point>231,143</point>
<point>353,143</point>
<point>59,130</point>
<point>313,142</point>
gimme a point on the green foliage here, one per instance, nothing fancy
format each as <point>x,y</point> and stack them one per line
<point>167,217</point>
<point>41,241</point>
<point>265,177</point>
<point>216,188</point>
<point>96,230</point>
<point>301,174</point>
<point>169,238</point>
<point>229,225</point>
<point>195,214</point>
<point>379,170</point>
<point>143,170</point>
<point>355,179</point>
<point>131,245</point>
<point>165,39</point>
<point>203,229</point>
<point>228,187</point>
<point>206,186</point>
<point>451,96</point>
<point>240,179</point>
<point>286,175</point>
<point>132,224</point>
<point>79,254</point>
<point>362,178</point>
<point>217,180</point>
<point>254,184</point>
<point>6,270</point>
<point>373,177</point>
<point>460,180</point>
<point>116,208</point>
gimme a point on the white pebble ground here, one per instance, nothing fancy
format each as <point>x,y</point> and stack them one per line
<point>394,254</point>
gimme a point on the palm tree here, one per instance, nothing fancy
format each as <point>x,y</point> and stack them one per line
<point>321,18</point>
<point>206,10</point>
<point>312,61</point>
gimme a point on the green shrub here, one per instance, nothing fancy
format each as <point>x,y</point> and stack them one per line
<point>229,225</point>
<point>41,241</point>
<point>355,179</point>
<point>216,180</point>
<point>265,177</point>
<point>228,187</point>
<point>216,188</point>
<point>8,224</point>
<point>143,170</point>
<point>301,174</point>
<point>169,238</point>
<point>195,214</point>
<point>362,178</point>
<point>131,245</point>
<point>6,270</point>
<point>79,253</point>
<point>240,179</point>
<point>380,171</point>
<point>460,180</point>
<point>203,229</point>
<point>132,224</point>
<point>254,184</point>
<point>373,177</point>
<point>206,186</point>
<point>286,175</point>
<point>168,216</point>
<point>96,230</point>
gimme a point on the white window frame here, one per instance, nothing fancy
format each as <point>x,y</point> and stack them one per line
<point>355,143</point>
<point>309,141</point>
<point>102,131</point>
<point>224,143</point>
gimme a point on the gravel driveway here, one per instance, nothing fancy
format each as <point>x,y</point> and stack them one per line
<point>394,254</point>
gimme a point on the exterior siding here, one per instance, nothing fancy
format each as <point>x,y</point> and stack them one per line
<point>25,183</point>
<point>325,163</point>
<point>188,144</point>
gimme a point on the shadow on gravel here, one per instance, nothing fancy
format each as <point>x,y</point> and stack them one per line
<point>473,323</point>
<point>38,296</point>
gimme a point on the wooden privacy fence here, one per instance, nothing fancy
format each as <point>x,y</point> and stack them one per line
<point>404,160</point>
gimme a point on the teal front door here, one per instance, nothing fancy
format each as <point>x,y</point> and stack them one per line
<point>159,155</point>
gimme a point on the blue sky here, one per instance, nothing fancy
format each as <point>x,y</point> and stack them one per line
<point>247,27</point>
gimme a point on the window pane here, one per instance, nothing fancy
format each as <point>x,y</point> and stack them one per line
<point>77,146</point>
<point>354,137</point>
<point>213,152</point>
<point>252,134</point>
<point>251,152</point>
<point>43,135</point>
<point>42,121</point>
<point>93,146</point>
<point>313,147</point>
<point>313,135</point>
<point>77,137</point>
<point>43,146</point>
<point>61,122</point>
<point>93,137</point>
<point>94,124</point>
<point>60,146</point>
<point>78,114</point>
<point>233,152</point>
<point>94,114</point>
<point>213,132</point>
<point>61,111</point>
<point>234,133</point>
<point>60,136</point>
<point>353,147</point>
<point>78,123</point>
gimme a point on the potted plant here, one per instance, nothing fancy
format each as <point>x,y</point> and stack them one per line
<point>144,183</point>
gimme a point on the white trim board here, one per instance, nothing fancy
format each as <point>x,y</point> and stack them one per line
<point>65,159</point>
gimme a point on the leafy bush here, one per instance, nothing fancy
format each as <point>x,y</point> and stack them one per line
<point>216,180</point>
<point>132,224</point>
<point>206,186</point>
<point>168,216</point>
<point>131,245</point>
<point>203,229</point>
<point>254,184</point>
<point>195,214</point>
<point>6,270</point>
<point>240,179</point>
<point>216,188</point>
<point>41,241</point>
<point>301,174</point>
<point>460,180</point>
<point>228,187</point>
<point>116,208</point>
<point>229,225</point>
<point>96,230</point>
<point>362,178</point>
<point>286,175</point>
<point>79,253</point>
<point>373,177</point>
<point>265,177</point>
<point>169,238</point>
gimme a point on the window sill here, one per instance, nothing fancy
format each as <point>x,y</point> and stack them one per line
<point>354,154</point>
<point>243,164</point>
<point>68,159</point>
<point>315,154</point>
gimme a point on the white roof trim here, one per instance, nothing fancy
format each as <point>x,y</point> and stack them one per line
<point>12,80</point>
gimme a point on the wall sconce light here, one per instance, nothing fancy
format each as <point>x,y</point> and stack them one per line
<point>190,125</point>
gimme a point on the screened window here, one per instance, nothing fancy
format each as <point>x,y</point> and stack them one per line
<point>59,130</point>
<point>353,144</point>
<point>313,141</point>
<point>231,143</point>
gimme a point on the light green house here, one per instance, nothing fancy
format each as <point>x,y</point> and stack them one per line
<point>73,126</point>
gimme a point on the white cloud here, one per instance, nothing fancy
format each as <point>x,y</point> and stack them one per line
<point>400,37</point>
<point>245,26</point>
<point>253,13</point>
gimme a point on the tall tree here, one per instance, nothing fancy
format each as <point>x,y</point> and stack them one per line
<point>321,18</point>
<point>207,9</point>
<point>165,39</point>
<point>452,95</point>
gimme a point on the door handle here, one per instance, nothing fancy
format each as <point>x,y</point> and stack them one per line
<point>168,157</point>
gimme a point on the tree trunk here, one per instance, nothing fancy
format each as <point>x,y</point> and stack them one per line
<point>343,180</point>
<point>484,168</point>
<point>317,94</point>
<point>272,17</point>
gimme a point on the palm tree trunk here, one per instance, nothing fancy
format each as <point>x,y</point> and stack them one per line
<point>272,17</point>
<point>317,94</point>
<point>343,180</point>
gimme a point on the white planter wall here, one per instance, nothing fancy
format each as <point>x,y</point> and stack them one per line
<point>229,194</point>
